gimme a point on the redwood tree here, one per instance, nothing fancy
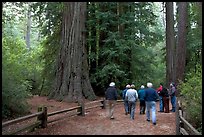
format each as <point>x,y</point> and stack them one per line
<point>170,44</point>
<point>182,38</point>
<point>72,76</point>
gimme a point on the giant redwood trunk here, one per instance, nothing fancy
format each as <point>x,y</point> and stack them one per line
<point>182,38</point>
<point>170,44</point>
<point>72,82</point>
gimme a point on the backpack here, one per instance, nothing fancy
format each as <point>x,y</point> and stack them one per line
<point>124,92</point>
<point>164,92</point>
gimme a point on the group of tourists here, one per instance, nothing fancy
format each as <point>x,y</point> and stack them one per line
<point>147,97</point>
<point>164,96</point>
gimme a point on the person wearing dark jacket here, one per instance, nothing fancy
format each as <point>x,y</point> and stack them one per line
<point>150,97</point>
<point>111,97</point>
<point>165,96</point>
<point>141,94</point>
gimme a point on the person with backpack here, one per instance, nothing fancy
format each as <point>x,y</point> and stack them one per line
<point>165,96</point>
<point>126,106</point>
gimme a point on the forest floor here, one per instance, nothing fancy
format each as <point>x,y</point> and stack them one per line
<point>96,122</point>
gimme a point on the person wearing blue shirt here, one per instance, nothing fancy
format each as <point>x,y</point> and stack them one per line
<point>173,96</point>
<point>151,96</point>
<point>126,106</point>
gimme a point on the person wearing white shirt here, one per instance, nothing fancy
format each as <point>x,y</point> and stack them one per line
<point>131,96</point>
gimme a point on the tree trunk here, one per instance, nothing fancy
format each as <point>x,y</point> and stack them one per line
<point>72,76</point>
<point>119,13</point>
<point>97,34</point>
<point>28,27</point>
<point>182,37</point>
<point>170,43</point>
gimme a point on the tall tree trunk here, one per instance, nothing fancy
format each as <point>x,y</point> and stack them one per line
<point>182,37</point>
<point>72,77</point>
<point>97,34</point>
<point>170,44</point>
<point>119,13</point>
<point>28,27</point>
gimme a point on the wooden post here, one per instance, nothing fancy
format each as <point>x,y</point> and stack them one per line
<point>39,118</point>
<point>43,117</point>
<point>178,120</point>
<point>104,105</point>
<point>81,109</point>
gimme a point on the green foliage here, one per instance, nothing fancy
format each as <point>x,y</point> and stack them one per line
<point>49,17</point>
<point>191,92</point>
<point>194,37</point>
<point>21,68</point>
<point>49,57</point>
<point>129,55</point>
<point>15,87</point>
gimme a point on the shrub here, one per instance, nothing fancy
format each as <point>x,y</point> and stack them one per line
<point>191,92</point>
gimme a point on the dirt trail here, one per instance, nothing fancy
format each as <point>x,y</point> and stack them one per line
<point>95,121</point>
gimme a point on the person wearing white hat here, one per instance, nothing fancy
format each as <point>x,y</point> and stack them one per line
<point>141,94</point>
<point>111,97</point>
<point>131,96</point>
<point>151,96</point>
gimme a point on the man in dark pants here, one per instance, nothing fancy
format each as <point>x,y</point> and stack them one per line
<point>111,97</point>
<point>141,94</point>
<point>165,96</point>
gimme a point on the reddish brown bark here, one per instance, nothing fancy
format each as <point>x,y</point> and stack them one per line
<point>72,76</point>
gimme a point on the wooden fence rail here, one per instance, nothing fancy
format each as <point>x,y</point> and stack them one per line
<point>21,119</point>
<point>42,116</point>
<point>183,127</point>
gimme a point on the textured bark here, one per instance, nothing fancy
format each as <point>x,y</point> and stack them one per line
<point>28,27</point>
<point>170,44</point>
<point>97,35</point>
<point>72,77</point>
<point>182,37</point>
<point>119,13</point>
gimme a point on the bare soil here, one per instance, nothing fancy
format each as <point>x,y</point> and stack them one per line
<point>96,122</point>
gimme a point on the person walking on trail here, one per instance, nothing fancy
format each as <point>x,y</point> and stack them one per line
<point>151,97</point>
<point>165,96</point>
<point>131,96</point>
<point>126,106</point>
<point>172,94</point>
<point>111,97</point>
<point>141,94</point>
<point>161,102</point>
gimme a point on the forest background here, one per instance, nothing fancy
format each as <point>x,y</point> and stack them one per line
<point>124,42</point>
